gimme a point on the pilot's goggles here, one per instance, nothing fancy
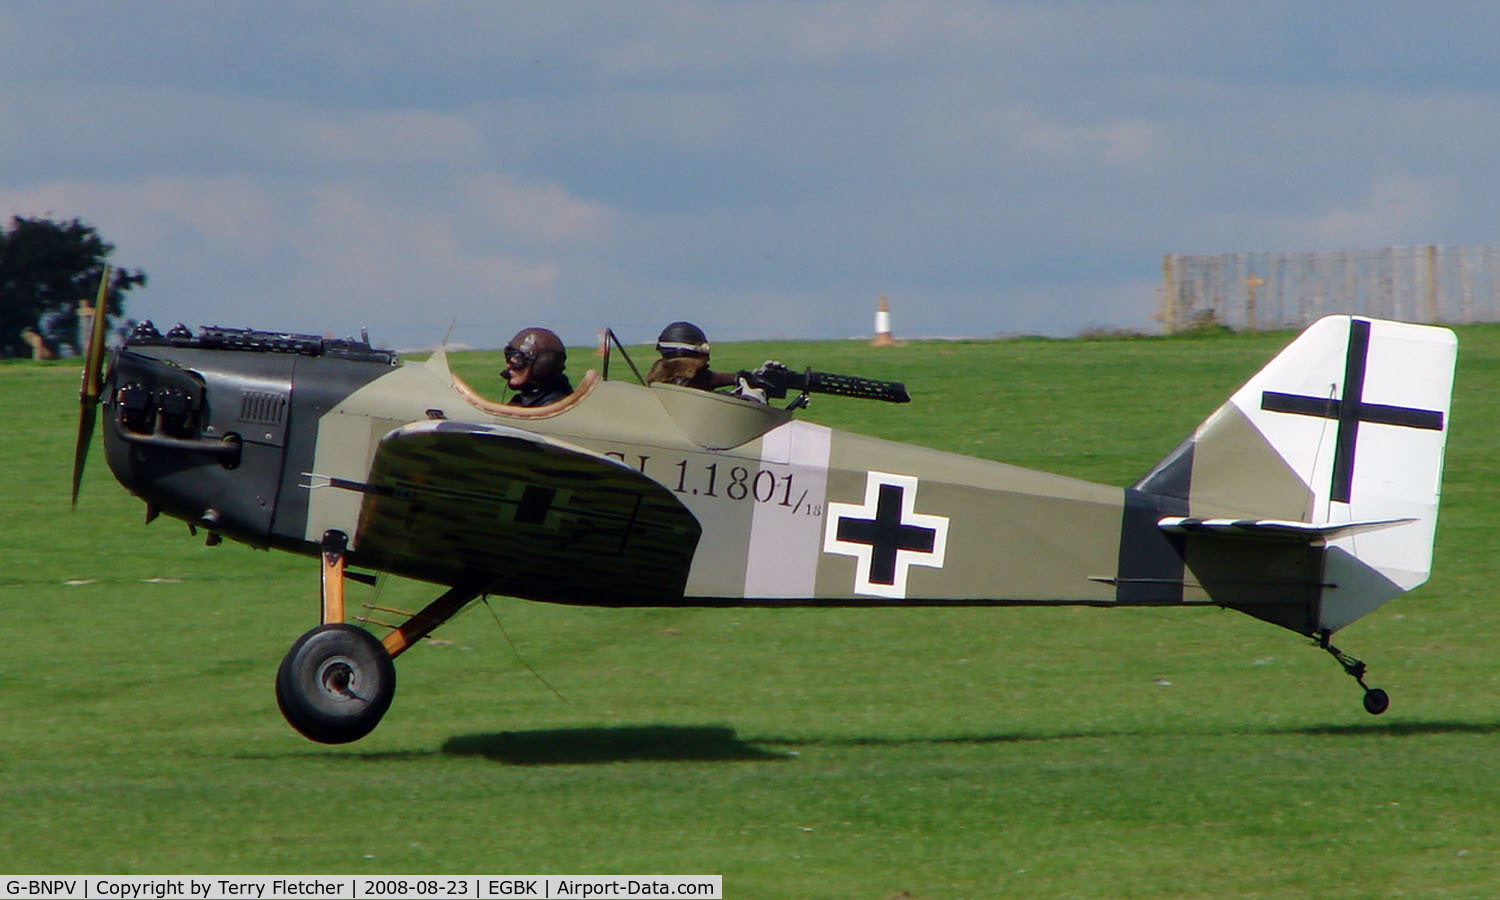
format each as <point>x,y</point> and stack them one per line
<point>518,359</point>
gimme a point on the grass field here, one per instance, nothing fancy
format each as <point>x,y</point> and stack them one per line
<point>799,753</point>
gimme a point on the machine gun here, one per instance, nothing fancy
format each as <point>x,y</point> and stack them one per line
<point>776,379</point>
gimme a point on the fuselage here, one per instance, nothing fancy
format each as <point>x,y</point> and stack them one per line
<point>790,511</point>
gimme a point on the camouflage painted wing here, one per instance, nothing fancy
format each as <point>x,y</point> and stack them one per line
<point>525,515</point>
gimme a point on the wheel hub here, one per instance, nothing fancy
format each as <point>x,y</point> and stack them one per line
<point>338,678</point>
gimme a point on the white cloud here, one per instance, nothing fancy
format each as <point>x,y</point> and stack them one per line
<point>1399,208</point>
<point>362,253</point>
<point>385,138</point>
<point>157,217</point>
<point>1110,142</point>
<point>531,213</point>
<point>330,255</point>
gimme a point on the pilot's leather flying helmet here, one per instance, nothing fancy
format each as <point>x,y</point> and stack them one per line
<point>536,352</point>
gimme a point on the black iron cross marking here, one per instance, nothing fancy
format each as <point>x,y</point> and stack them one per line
<point>536,502</point>
<point>1351,410</point>
<point>886,534</point>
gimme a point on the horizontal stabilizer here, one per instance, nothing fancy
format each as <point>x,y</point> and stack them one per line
<point>1273,529</point>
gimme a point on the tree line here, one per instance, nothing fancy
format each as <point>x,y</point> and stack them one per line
<point>47,270</point>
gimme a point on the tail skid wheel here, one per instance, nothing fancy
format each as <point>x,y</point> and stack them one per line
<point>335,684</point>
<point>1376,700</point>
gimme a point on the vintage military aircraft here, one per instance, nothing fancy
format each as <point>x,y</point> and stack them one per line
<point>1306,500</point>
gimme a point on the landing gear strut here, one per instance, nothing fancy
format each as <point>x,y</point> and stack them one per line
<point>337,681</point>
<point>1377,701</point>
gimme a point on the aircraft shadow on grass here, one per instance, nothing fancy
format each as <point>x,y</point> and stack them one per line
<point>714,743</point>
<point>626,743</point>
<point>1393,729</point>
<point>1363,729</point>
<point>676,743</point>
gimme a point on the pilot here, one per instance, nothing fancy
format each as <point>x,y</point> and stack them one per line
<point>684,359</point>
<point>534,361</point>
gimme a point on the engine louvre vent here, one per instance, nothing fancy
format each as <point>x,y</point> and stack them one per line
<point>263,407</point>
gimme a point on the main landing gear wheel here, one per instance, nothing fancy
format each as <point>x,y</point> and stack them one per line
<point>335,684</point>
<point>1377,701</point>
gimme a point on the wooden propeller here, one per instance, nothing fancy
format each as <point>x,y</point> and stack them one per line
<point>92,384</point>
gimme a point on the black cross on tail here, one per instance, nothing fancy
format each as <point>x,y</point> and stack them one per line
<point>1351,410</point>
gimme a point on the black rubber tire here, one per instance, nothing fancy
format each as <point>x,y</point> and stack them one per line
<point>335,684</point>
<point>1377,701</point>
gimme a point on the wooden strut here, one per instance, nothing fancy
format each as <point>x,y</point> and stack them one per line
<point>334,544</point>
<point>434,614</point>
<point>402,636</point>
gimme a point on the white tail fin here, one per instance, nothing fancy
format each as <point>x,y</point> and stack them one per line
<point>1355,412</point>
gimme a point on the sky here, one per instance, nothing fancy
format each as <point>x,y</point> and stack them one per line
<point>460,170</point>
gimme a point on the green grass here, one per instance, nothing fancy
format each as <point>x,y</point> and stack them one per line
<point>800,753</point>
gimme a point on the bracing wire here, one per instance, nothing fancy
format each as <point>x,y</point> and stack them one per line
<point>517,652</point>
<point>1330,423</point>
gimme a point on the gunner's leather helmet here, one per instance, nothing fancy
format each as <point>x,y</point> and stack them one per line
<point>682,339</point>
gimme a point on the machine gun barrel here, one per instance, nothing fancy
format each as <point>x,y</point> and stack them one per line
<point>850,386</point>
<point>776,380</point>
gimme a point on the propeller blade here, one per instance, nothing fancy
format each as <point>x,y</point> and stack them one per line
<point>81,448</point>
<point>92,384</point>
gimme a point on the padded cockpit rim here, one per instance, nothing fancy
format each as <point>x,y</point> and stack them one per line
<point>585,387</point>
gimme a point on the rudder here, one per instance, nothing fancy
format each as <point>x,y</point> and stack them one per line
<point>1313,492</point>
